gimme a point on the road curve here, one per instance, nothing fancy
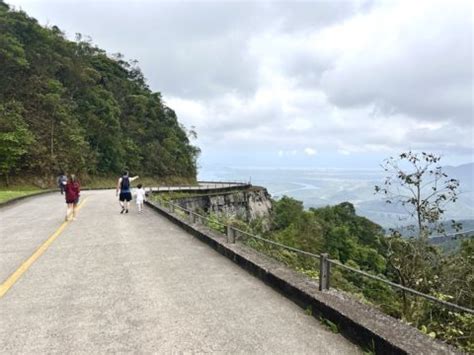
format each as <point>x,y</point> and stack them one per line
<point>136,283</point>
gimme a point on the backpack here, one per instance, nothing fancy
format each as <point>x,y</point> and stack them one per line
<point>125,185</point>
<point>62,180</point>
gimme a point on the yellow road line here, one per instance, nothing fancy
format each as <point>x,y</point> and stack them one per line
<point>10,281</point>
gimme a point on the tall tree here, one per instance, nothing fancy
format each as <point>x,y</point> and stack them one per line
<point>417,182</point>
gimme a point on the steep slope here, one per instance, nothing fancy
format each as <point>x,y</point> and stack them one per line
<point>69,106</point>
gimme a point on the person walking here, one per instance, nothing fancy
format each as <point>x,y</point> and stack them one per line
<point>140,197</point>
<point>124,191</point>
<point>72,190</point>
<point>62,181</point>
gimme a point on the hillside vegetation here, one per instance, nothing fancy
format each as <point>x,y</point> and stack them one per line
<point>68,106</point>
<point>359,243</point>
<point>414,263</point>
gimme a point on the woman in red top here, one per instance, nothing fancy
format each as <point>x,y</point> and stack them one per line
<point>72,190</point>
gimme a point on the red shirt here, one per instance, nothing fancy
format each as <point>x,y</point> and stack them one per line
<point>72,190</point>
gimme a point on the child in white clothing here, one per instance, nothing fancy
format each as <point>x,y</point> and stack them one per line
<point>140,197</point>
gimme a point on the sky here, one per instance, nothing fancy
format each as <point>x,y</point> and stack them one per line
<point>313,84</point>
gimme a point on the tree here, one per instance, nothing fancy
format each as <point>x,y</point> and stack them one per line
<point>418,183</point>
<point>458,275</point>
<point>85,111</point>
<point>413,263</point>
<point>287,211</point>
<point>14,138</point>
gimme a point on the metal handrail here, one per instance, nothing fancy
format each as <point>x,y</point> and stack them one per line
<point>415,292</point>
<point>206,218</point>
<point>277,244</point>
<point>194,213</point>
<point>332,261</point>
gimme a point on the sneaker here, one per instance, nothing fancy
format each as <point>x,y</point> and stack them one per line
<point>126,211</point>
<point>122,211</point>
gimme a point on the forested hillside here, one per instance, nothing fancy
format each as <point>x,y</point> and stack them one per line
<point>68,106</point>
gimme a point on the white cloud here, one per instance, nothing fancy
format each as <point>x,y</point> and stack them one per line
<point>360,77</point>
<point>287,153</point>
<point>343,152</point>
<point>299,125</point>
<point>396,58</point>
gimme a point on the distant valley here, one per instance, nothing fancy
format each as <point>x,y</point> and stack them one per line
<point>322,187</point>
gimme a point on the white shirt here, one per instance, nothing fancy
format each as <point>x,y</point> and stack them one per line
<point>140,195</point>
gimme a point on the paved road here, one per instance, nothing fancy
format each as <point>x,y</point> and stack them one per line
<point>137,283</point>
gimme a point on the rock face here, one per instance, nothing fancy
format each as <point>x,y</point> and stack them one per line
<point>249,204</point>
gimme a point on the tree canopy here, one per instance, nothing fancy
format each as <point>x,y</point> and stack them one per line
<point>68,106</point>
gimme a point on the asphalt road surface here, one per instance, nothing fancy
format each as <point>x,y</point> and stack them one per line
<point>108,282</point>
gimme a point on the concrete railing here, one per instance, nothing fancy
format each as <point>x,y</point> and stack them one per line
<point>202,186</point>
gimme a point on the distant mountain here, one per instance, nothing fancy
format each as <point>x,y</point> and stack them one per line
<point>394,215</point>
<point>467,229</point>
<point>465,174</point>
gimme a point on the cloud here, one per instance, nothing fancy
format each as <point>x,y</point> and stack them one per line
<point>410,58</point>
<point>287,154</point>
<point>297,78</point>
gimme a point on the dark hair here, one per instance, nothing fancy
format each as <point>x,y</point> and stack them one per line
<point>125,172</point>
<point>139,186</point>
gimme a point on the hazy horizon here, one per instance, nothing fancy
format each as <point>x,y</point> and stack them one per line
<point>323,187</point>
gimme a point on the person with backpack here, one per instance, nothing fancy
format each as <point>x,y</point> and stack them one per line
<point>62,181</point>
<point>124,191</point>
<point>73,191</point>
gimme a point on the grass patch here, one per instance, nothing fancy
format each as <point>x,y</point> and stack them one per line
<point>7,195</point>
<point>371,349</point>
<point>330,325</point>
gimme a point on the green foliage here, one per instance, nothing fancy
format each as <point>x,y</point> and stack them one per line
<point>14,137</point>
<point>76,109</point>
<point>442,323</point>
<point>214,222</point>
<point>457,276</point>
<point>347,236</point>
<point>370,350</point>
<point>287,211</point>
<point>360,244</point>
<point>330,325</point>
